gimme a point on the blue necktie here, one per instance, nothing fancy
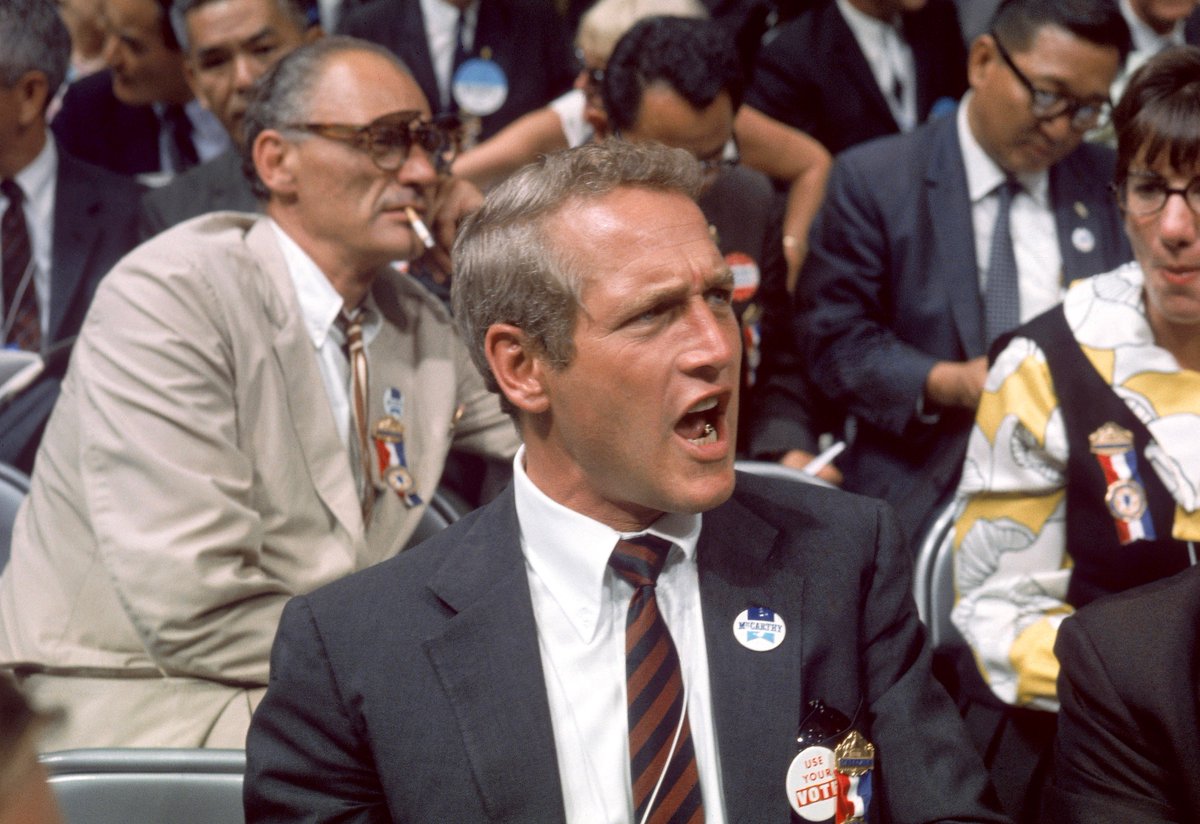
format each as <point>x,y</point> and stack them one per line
<point>1002,297</point>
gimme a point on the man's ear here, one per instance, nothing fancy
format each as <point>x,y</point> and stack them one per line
<point>980,58</point>
<point>32,98</point>
<point>275,160</point>
<point>519,367</point>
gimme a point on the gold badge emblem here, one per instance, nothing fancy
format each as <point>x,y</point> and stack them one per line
<point>1110,439</point>
<point>389,429</point>
<point>855,755</point>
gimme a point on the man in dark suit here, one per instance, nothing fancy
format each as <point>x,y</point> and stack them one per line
<point>77,219</point>
<point>1128,747</point>
<point>526,39</point>
<point>489,674</point>
<point>893,323</point>
<point>228,45</point>
<point>139,117</point>
<point>846,71</point>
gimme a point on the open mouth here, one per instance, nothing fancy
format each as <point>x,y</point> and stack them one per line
<point>701,423</point>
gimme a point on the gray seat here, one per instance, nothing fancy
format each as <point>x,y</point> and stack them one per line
<point>933,580</point>
<point>148,786</point>
<point>14,486</point>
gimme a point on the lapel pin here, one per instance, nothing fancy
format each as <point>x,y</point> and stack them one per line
<point>1083,240</point>
<point>1081,209</point>
<point>759,629</point>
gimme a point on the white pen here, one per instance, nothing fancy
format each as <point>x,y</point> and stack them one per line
<point>419,227</point>
<point>824,459</point>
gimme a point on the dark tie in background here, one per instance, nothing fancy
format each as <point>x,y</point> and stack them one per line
<point>179,138</point>
<point>351,326</point>
<point>1002,298</point>
<point>657,708</point>
<point>22,322</point>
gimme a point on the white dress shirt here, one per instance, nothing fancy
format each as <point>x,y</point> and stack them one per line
<point>580,607</point>
<point>1034,231</point>
<point>320,304</point>
<point>38,182</point>
<point>890,58</point>
<point>441,22</point>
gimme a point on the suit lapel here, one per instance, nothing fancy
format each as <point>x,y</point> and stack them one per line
<point>489,665</point>
<point>1075,199</point>
<point>953,256</point>
<point>316,434</point>
<point>851,65</point>
<point>756,735</point>
<point>77,228</point>
<point>414,51</point>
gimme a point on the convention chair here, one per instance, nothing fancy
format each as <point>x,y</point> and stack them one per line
<point>148,786</point>
<point>933,581</point>
<point>14,486</point>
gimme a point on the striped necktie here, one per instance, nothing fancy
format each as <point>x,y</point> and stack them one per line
<point>22,322</point>
<point>356,355</point>
<point>666,781</point>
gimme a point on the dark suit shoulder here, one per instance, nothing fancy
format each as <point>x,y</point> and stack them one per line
<point>117,189</point>
<point>1167,610</point>
<point>363,20</point>
<point>216,185</point>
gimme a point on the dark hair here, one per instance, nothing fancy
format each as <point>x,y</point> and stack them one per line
<point>695,58</point>
<point>282,95</point>
<point>1017,22</point>
<point>296,11</point>
<point>33,38</point>
<point>1159,113</point>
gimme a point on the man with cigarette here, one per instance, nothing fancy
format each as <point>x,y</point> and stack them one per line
<point>255,407</point>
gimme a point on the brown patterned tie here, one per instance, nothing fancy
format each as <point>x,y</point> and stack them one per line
<point>356,354</point>
<point>22,321</point>
<point>662,758</point>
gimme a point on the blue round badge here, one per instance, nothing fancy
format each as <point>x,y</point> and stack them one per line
<point>480,87</point>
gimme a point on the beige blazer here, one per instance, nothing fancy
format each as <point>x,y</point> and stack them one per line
<point>191,480</point>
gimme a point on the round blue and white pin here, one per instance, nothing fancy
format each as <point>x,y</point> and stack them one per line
<point>759,629</point>
<point>1083,240</point>
<point>480,87</point>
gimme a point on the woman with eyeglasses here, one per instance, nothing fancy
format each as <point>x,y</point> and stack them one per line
<point>1082,475</point>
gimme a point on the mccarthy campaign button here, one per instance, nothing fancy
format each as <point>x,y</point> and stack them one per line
<point>759,629</point>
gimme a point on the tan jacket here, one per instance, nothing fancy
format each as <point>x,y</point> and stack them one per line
<point>191,478</point>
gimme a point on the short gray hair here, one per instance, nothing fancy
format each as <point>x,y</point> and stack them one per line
<point>508,268</point>
<point>33,38</point>
<point>281,97</point>
<point>294,10</point>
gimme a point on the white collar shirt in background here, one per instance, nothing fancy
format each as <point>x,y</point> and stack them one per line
<point>441,23</point>
<point>580,607</point>
<point>1034,231</point>
<point>891,59</point>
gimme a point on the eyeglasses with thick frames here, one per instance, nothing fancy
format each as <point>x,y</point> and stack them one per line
<point>389,139</point>
<point>1145,193</point>
<point>1045,105</point>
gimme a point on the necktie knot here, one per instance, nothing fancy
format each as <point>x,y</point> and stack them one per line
<point>640,560</point>
<point>12,191</point>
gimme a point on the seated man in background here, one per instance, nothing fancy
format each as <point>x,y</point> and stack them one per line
<point>622,635</point>
<point>255,407</point>
<point>139,117</point>
<point>1128,748</point>
<point>65,222</point>
<point>228,44</point>
<point>679,81</point>
<point>930,244</point>
<point>1083,465</point>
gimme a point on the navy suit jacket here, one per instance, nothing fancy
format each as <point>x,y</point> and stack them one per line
<point>526,38</point>
<point>813,75</point>
<point>413,691</point>
<point>94,126</point>
<point>1128,747</point>
<point>216,186</point>
<point>890,286</point>
<point>95,224</point>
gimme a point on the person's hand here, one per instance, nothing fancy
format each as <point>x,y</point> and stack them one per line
<point>798,459</point>
<point>452,200</point>
<point>956,384</point>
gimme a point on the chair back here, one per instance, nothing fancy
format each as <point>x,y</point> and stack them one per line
<point>14,486</point>
<point>444,509</point>
<point>933,580</point>
<point>148,786</point>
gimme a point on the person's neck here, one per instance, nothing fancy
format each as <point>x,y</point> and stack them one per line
<point>1183,342</point>
<point>348,278</point>
<point>22,151</point>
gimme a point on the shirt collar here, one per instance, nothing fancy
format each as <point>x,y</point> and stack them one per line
<point>319,302</point>
<point>38,176</point>
<point>984,174</point>
<point>1146,39</point>
<point>864,25</point>
<point>570,552</point>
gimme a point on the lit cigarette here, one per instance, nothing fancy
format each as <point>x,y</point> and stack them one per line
<point>824,459</point>
<point>419,227</point>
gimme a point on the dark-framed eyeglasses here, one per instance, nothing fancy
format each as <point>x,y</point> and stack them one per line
<point>1047,105</point>
<point>389,139</point>
<point>726,158</point>
<point>1145,193</point>
<point>593,79</point>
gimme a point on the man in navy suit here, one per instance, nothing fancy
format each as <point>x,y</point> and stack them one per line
<point>891,320</point>
<point>526,39</point>
<point>846,71</point>
<point>79,218</point>
<point>483,675</point>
